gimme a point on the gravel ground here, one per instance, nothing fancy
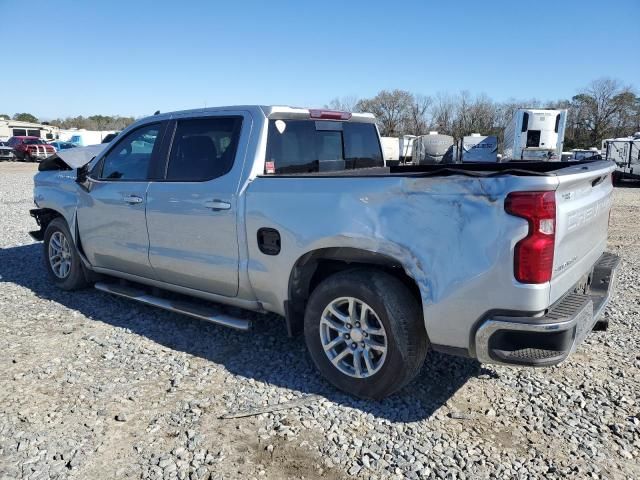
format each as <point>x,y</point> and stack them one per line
<point>92,386</point>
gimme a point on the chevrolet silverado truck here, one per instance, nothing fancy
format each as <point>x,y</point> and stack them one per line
<point>293,211</point>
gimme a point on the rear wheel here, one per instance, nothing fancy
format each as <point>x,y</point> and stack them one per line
<point>61,257</point>
<point>365,333</point>
<point>27,157</point>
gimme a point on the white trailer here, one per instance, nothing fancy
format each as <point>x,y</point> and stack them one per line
<point>534,135</point>
<point>578,154</point>
<point>397,149</point>
<point>82,137</point>
<point>477,148</point>
<point>433,148</point>
<point>625,152</point>
<point>16,128</point>
<point>406,148</point>
<point>390,149</point>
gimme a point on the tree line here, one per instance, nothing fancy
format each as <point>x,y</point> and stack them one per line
<point>93,122</point>
<point>605,108</point>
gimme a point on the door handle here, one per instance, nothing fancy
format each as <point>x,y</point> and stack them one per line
<point>133,199</point>
<point>217,205</point>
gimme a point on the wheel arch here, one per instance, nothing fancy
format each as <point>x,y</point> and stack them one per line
<point>314,266</point>
<point>43,217</point>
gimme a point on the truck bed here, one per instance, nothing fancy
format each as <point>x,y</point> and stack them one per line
<point>467,169</point>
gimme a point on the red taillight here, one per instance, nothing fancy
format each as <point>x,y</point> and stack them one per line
<point>329,114</point>
<point>533,256</point>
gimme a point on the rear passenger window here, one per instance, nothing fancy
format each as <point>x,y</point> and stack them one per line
<point>203,148</point>
<point>130,158</point>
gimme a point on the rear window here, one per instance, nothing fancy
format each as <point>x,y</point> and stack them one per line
<point>307,146</point>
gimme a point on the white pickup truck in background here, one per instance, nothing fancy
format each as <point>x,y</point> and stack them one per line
<point>292,211</point>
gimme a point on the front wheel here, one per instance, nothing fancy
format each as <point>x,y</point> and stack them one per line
<point>365,333</point>
<point>61,257</point>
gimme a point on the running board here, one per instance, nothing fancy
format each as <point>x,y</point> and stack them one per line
<point>185,308</point>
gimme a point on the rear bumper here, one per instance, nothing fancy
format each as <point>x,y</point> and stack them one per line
<point>548,339</point>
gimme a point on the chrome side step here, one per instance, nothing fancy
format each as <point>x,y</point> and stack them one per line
<point>185,308</point>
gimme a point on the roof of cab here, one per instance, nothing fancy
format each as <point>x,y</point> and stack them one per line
<point>268,111</point>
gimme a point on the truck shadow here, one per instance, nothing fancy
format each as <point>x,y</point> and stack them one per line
<point>265,355</point>
<point>628,184</point>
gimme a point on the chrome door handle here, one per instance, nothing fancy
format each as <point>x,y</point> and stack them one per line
<point>217,205</point>
<point>133,199</point>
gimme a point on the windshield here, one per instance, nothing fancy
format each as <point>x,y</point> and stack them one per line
<point>308,146</point>
<point>33,141</point>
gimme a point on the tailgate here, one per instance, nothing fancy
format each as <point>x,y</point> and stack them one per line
<point>583,201</point>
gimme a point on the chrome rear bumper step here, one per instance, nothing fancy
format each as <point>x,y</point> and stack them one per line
<point>549,339</point>
<point>182,307</point>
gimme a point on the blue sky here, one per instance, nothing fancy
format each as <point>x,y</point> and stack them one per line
<point>134,57</point>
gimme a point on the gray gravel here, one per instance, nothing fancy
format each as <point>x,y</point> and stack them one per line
<point>93,386</point>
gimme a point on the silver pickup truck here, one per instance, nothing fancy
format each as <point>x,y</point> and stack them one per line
<point>293,211</point>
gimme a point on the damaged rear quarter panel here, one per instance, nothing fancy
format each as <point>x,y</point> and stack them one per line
<point>451,235</point>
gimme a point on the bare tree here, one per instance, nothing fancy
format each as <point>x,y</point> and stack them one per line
<point>344,104</point>
<point>443,113</point>
<point>391,109</point>
<point>418,115</point>
<point>603,108</point>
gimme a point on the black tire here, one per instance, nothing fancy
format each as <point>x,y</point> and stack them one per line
<point>398,311</point>
<point>27,158</point>
<point>75,278</point>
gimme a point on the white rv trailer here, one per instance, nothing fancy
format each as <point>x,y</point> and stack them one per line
<point>397,149</point>
<point>433,148</point>
<point>477,148</point>
<point>406,147</point>
<point>534,135</point>
<point>16,128</point>
<point>625,152</point>
<point>583,153</point>
<point>390,149</point>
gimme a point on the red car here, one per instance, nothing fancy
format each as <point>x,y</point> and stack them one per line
<point>30,149</point>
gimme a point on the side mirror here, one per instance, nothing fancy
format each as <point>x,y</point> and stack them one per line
<point>83,177</point>
<point>82,174</point>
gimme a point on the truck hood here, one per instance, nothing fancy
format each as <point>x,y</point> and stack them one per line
<point>79,156</point>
